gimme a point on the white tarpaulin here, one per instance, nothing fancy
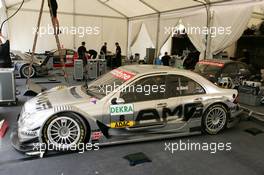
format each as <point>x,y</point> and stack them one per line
<point>237,22</point>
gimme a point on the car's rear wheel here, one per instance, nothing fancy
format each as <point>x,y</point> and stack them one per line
<point>215,119</point>
<point>64,131</point>
<point>24,71</point>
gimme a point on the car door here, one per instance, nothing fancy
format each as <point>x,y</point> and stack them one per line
<point>139,110</point>
<point>192,97</point>
<point>184,101</point>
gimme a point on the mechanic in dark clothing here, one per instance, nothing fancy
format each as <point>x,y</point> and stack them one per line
<point>166,59</point>
<point>5,60</point>
<point>103,50</point>
<point>82,53</point>
<point>93,54</point>
<point>118,57</point>
<point>54,8</point>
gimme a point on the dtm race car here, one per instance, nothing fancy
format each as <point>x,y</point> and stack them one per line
<point>129,104</point>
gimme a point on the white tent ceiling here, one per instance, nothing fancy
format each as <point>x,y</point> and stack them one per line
<point>113,17</point>
<point>113,8</point>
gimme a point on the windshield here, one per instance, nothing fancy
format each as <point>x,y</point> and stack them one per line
<point>108,83</point>
<point>203,68</point>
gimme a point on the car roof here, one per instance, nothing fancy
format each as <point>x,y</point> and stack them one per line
<point>144,69</point>
<point>222,61</point>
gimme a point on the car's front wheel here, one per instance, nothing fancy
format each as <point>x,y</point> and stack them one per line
<point>64,132</point>
<point>215,119</point>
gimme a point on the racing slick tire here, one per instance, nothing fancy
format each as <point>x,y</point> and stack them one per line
<point>214,119</point>
<point>64,132</point>
<point>24,71</point>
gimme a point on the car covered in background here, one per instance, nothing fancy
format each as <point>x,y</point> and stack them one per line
<point>21,62</point>
<point>42,62</point>
<point>129,104</point>
<point>217,70</point>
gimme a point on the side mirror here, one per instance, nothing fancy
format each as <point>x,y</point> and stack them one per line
<point>117,101</point>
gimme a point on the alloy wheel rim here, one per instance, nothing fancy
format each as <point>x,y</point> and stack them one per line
<point>26,71</point>
<point>63,132</point>
<point>216,119</point>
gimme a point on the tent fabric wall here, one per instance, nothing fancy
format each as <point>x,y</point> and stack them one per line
<point>3,16</point>
<point>115,28</point>
<point>142,42</point>
<point>135,27</point>
<point>237,21</point>
<point>110,30</point>
<point>134,30</point>
<point>198,39</point>
<point>22,28</point>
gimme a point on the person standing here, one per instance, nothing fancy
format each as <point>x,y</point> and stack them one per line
<point>5,60</point>
<point>82,53</point>
<point>166,59</point>
<point>103,50</point>
<point>118,59</point>
<point>55,21</point>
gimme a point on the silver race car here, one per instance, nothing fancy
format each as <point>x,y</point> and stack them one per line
<point>128,104</point>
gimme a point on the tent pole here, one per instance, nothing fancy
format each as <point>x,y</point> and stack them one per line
<point>127,46</point>
<point>209,37</point>
<point>149,6</point>
<point>206,4</point>
<point>158,25</point>
<point>110,7</point>
<point>35,41</point>
<point>74,24</point>
<point>157,37</point>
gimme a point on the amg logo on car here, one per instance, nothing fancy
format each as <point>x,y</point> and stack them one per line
<point>122,124</point>
<point>121,109</point>
<point>186,111</point>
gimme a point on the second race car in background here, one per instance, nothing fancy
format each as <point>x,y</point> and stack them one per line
<point>235,71</point>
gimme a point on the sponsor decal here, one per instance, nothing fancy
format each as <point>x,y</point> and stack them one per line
<point>30,133</point>
<point>122,124</point>
<point>123,109</point>
<point>212,63</point>
<point>123,75</point>
<point>96,135</point>
<point>93,100</point>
